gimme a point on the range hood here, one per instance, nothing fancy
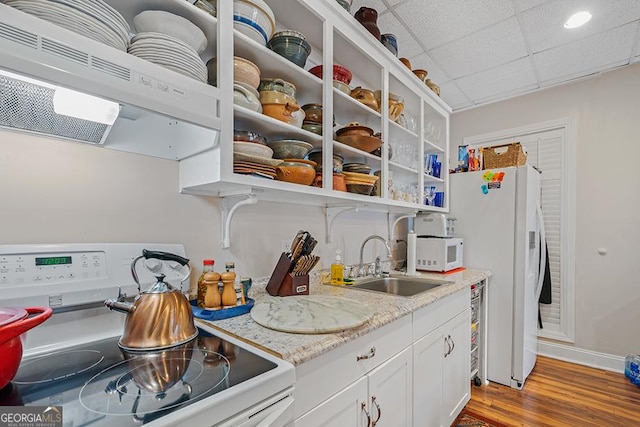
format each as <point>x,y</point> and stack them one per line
<point>157,112</point>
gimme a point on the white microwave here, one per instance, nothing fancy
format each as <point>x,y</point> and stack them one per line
<point>438,254</point>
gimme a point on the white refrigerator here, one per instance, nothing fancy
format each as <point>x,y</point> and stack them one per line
<point>500,219</point>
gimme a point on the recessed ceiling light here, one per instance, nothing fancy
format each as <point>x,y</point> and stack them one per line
<point>577,19</point>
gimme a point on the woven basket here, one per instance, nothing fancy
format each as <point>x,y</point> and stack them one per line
<point>502,156</point>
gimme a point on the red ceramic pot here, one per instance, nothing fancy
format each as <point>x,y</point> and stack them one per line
<point>13,323</point>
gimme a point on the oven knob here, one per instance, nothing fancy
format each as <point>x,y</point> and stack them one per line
<point>153,264</point>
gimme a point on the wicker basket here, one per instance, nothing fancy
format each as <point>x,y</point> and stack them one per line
<point>502,156</point>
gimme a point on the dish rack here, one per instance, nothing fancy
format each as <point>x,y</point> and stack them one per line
<point>478,338</point>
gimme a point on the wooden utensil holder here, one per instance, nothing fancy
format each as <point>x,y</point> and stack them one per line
<point>283,284</point>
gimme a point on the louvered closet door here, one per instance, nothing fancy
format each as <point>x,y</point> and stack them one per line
<point>545,151</point>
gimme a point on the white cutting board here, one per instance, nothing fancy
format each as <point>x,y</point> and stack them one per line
<point>310,314</point>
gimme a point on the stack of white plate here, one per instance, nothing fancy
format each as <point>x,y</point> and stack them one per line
<point>94,19</point>
<point>169,52</point>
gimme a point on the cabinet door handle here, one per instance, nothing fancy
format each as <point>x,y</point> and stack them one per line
<point>453,344</point>
<point>364,409</point>
<point>446,340</point>
<point>372,353</point>
<point>373,400</point>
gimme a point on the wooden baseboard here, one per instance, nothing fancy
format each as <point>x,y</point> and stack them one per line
<point>581,356</point>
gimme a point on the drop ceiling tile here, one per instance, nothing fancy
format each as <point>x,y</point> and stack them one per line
<point>522,5</point>
<point>586,56</point>
<point>424,62</point>
<point>485,49</point>
<point>504,79</point>
<point>440,21</point>
<point>378,5</point>
<point>407,45</point>
<point>544,28</point>
<point>455,99</point>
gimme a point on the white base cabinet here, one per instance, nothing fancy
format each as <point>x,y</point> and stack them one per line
<point>412,372</point>
<point>380,398</point>
<point>441,385</point>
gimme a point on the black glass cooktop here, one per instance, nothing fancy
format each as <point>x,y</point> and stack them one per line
<point>101,384</point>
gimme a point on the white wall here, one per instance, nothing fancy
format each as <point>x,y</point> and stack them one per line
<point>606,110</point>
<point>57,191</point>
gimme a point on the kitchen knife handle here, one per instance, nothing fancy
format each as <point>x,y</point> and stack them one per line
<point>164,256</point>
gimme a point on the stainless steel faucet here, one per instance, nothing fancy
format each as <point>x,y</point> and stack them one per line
<point>378,271</point>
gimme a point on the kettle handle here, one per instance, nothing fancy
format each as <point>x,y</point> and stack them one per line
<point>165,256</point>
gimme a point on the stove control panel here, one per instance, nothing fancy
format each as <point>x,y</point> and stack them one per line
<point>60,275</point>
<point>52,267</point>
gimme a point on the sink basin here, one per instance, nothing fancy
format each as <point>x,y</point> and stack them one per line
<point>400,286</point>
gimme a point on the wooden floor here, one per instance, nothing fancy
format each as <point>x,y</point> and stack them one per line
<point>561,394</point>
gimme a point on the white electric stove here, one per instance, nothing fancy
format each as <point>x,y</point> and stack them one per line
<point>73,360</point>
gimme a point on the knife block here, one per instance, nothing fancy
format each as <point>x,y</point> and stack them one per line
<point>283,284</point>
<point>294,285</point>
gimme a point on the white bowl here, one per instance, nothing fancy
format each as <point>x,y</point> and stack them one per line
<point>246,96</point>
<point>159,21</point>
<point>254,19</point>
<point>252,149</point>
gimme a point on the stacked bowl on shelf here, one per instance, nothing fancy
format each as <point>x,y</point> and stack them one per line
<point>291,45</point>
<point>170,41</point>
<point>252,156</point>
<point>278,99</point>
<point>255,19</point>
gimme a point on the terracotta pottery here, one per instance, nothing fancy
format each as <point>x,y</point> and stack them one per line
<point>368,17</point>
<point>288,113</point>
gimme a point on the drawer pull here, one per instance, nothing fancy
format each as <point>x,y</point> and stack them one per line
<point>373,400</point>
<point>364,405</point>
<point>372,353</point>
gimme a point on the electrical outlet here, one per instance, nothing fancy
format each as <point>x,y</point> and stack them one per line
<point>286,245</point>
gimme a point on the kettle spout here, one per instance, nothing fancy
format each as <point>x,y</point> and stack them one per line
<point>121,306</point>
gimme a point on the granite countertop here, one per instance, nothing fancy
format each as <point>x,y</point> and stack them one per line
<point>299,348</point>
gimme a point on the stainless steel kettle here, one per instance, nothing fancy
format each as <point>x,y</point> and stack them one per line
<point>159,317</point>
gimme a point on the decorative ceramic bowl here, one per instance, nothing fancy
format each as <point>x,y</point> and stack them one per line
<point>434,87</point>
<point>159,21</point>
<point>365,96</point>
<point>390,42</point>
<point>288,113</point>
<point>291,45</point>
<point>357,167</point>
<point>249,136</point>
<point>255,19</point>
<point>290,148</point>
<point>296,172</point>
<point>316,156</point>
<point>342,87</point>
<point>252,149</point>
<point>406,62</point>
<point>364,189</point>
<point>312,127</point>
<point>421,74</point>
<point>246,96</point>
<point>359,178</point>
<point>354,129</point>
<point>275,97</point>
<point>313,113</point>
<point>340,73</point>
<point>244,71</point>
<point>277,85</point>
<point>396,104</point>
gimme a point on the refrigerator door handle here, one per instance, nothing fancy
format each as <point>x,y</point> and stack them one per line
<point>543,252</point>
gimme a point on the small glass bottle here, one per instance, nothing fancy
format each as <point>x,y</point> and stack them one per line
<point>207,267</point>
<point>337,269</point>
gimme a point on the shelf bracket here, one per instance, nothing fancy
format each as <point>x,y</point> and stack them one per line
<point>330,215</point>
<point>231,201</point>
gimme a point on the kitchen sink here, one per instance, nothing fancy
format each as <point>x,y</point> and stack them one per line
<point>400,286</point>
